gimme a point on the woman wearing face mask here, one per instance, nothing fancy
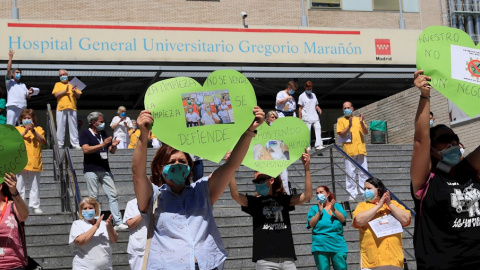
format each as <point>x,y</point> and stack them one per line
<point>192,118</point>
<point>209,117</point>
<point>134,134</point>
<point>91,238</point>
<point>185,235</point>
<point>271,117</point>
<point>385,252</point>
<point>327,219</point>
<point>445,189</point>
<point>34,137</point>
<point>285,104</point>
<point>121,124</point>
<point>272,233</point>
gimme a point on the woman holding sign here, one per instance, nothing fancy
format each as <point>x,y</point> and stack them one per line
<point>272,232</point>
<point>445,189</point>
<point>373,217</point>
<point>13,211</point>
<point>185,235</point>
<point>34,137</point>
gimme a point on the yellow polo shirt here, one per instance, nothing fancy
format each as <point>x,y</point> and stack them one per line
<point>134,139</point>
<point>375,252</point>
<point>68,101</point>
<point>357,145</point>
<point>34,149</point>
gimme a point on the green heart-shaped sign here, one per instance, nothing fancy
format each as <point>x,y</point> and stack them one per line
<point>450,57</point>
<point>205,120</point>
<point>277,146</point>
<point>13,154</point>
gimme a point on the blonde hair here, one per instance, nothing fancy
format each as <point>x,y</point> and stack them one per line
<point>91,201</point>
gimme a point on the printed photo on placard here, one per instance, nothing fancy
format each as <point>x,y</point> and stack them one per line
<point>273,150</point>
<point>208,108</point>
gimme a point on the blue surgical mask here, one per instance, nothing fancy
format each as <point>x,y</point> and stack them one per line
<point>321,197</point>
<point>177,173</point>
<point>452,155</point>
<point>208,109</point>
<point>88,214</point>
<point>291,92</point>
<point>18,76</point>
<point>63,78</point>
<point>262,189</point>
<point>347,112</point>
<point>431,123</point>
<point>26,122</point>
<point>123,114</point>
<point>101,127</point>
<point>308,92</point>
<point>190,110</point>
<point>369,195</point>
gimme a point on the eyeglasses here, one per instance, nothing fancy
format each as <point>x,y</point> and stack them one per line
<point>448,146</point>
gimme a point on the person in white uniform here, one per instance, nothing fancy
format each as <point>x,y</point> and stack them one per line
<point>308,111</point>
<point>17,92</point>
<point>120,125</point>
<point>210,118</point>
<point>285,104</point>
<point>138,235</point>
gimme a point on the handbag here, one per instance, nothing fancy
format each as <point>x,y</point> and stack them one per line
<point>150,232</point>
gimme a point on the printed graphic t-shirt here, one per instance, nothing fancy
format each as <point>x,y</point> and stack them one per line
<point>447,230</point>
<point>272,233</point>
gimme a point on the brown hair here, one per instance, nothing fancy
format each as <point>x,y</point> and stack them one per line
<point>330,195</point>
<point>91,201</point>
<point>30,112</point>
<point>277,187</point>
<point>308,84</point>
<point>161,159</point>
<point>293,84</point>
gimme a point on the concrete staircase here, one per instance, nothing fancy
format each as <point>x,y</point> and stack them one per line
<point>47,234</point>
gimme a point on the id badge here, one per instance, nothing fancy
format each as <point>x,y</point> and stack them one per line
<point>2,252</point>
<point>103,155</point>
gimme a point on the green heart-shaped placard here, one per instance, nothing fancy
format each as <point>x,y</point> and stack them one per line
<point>13,154</point>
<point>277,146</point>
<point>450,57</point>
<point>226,93</point>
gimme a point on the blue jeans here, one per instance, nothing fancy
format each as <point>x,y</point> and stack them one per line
<point>106,180</point>
<point>322,260</point>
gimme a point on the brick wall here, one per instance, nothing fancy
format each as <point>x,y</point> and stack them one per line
<point>274,13</point>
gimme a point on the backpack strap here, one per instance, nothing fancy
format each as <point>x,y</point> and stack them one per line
<point>423,190</point>
<point>150,232</point>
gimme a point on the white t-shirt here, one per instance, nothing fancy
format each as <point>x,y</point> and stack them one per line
<point>308,104</point>
<point>208,119</point>
<point>225,116</point>
<point>192,117</point>
<point>16,94</point>
<point>138,235</point>
<point>121,131</point>
<point>288,106</point>
<point>97,253</point>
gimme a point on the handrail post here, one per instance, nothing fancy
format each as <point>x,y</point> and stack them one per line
<point>332,170</point>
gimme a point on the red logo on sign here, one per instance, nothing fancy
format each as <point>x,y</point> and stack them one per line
<point>382,47</point>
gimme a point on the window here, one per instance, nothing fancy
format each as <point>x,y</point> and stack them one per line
<point>385,5</point>
<point>335,4</point>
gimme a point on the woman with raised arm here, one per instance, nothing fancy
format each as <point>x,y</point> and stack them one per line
<point>446,190</point>
<point>385,252</point>
<point>272,232</point>
<point>185,235</point>
<point>326,219</point>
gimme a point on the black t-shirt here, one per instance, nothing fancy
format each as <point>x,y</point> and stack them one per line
<point>447,230</point>
<point>93,162</point>
<point>272,233</point>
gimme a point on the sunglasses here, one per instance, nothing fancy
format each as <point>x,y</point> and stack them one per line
<point>260,181</point>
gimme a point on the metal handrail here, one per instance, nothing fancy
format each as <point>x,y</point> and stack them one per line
<point>58,158</point>
<point>75,190</point>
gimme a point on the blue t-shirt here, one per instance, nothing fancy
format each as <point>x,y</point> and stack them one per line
<point>327,235</point>
<point>93,162</point>
<point>3,113</point>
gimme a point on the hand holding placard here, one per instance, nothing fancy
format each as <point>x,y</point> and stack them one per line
<point>13,153</point>
<point>452,60</point>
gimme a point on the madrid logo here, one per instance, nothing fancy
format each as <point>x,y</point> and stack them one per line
<point>382,47</point>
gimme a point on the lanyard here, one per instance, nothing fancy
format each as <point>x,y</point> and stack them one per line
<point>4,208</point>
<point>100,141</point>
